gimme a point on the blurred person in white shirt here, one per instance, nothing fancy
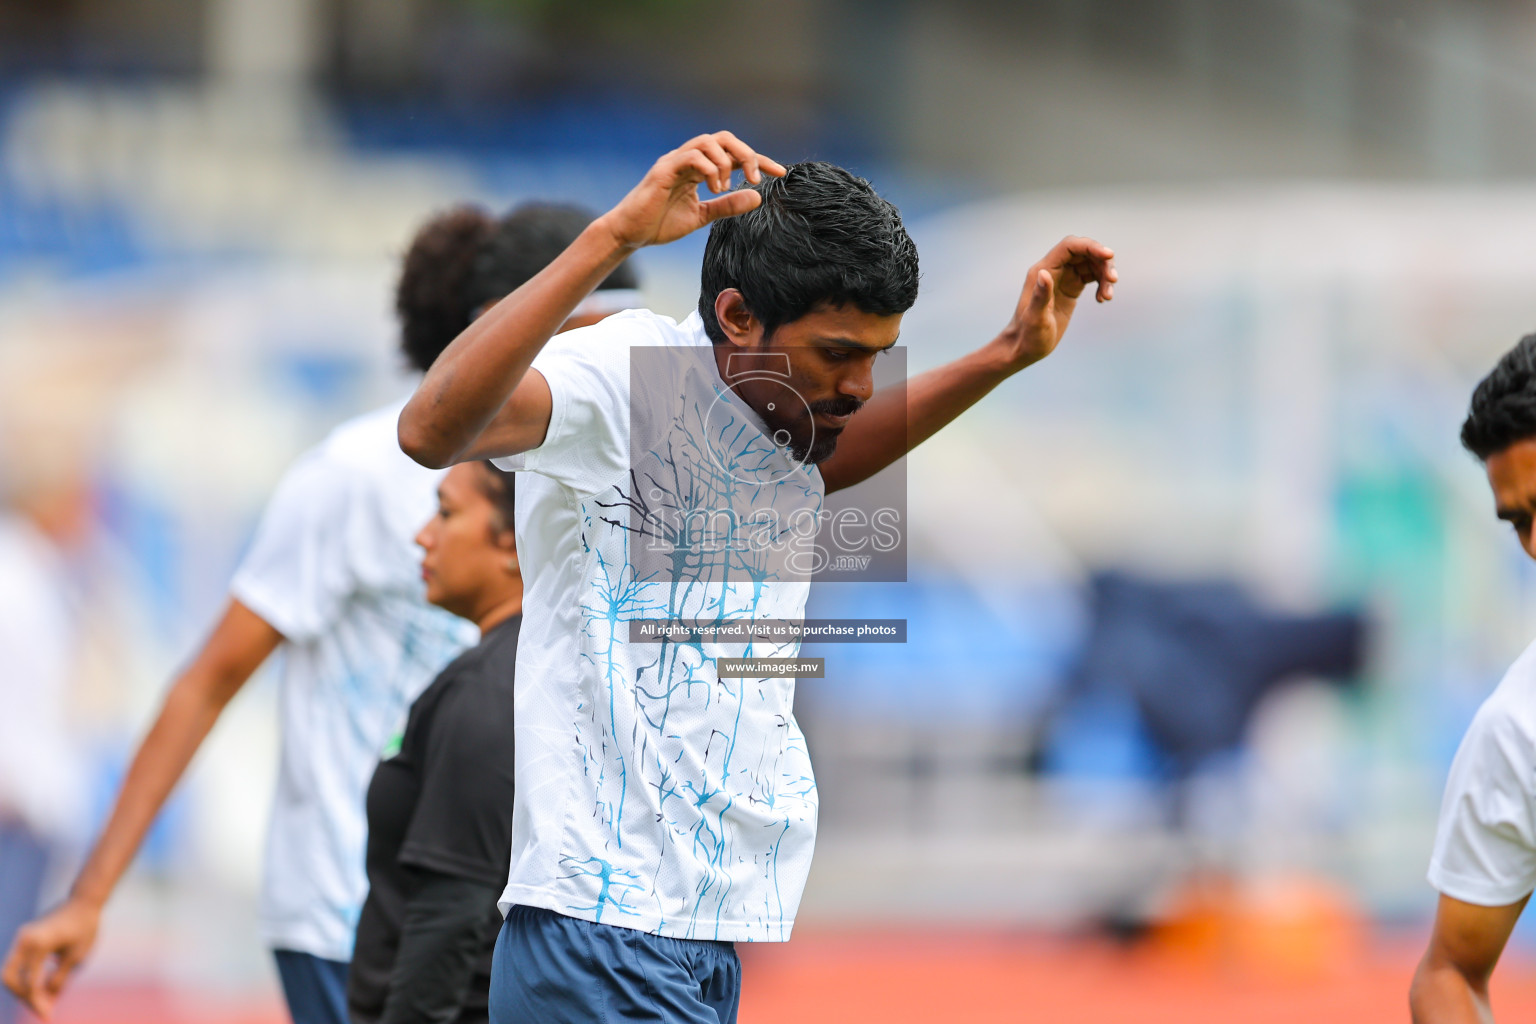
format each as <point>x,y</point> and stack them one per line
<point>1484,860</point>
<point>333,578</point>
<point>41,791</point>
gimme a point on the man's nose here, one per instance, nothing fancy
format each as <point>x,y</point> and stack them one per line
<point>860,384</point>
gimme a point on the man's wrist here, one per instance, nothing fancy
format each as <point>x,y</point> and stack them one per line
<point>88,894</point>
<point>1000,358</point>
<point>607,235</point>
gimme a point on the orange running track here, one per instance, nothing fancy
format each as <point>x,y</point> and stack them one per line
<point>900,977</point>
<point>903,975</point>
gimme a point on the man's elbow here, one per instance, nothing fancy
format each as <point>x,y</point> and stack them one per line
<point>1418,994</point>
<point>419,444</point>
<point>1442,991</point>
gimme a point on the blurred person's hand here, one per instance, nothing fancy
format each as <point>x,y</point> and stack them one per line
<point>1051,291</point>
<point>665,206</point>
<point>47,951</point>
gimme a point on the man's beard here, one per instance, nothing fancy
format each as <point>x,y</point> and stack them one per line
<point>824,442</point>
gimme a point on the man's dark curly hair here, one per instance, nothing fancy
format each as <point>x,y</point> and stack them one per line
<point>822,237</point>
<point>525,242</point>
<point>463,260</point>
<point>1504,404</point>
<point>431,296</point>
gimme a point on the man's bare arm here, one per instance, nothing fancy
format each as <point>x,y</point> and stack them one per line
<point>1451,984</point>
<point>48,950</point>
<point>899,419</point>
<point>479,399</point>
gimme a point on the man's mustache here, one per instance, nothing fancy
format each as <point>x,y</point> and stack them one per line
<point>845,406</point>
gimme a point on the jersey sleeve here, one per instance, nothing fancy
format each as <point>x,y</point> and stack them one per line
<point>297,574</point>
<point>462,824</point>
<point>586,446</point>
<point>1485,847</point>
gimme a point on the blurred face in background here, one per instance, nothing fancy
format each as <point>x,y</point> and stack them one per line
<point>1512,475</point>
<point>469,555</point>
<point>64,509</point>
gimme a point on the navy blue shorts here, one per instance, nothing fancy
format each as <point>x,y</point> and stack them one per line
<point>315,989</point>
<point>553,969</point>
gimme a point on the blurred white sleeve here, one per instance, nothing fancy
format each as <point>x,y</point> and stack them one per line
<point>39,770</point>
<point>299,573</point>
<point>1485,848</point>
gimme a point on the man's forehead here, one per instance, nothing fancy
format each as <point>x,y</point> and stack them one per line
<point>1512,475</point>
<point>846,326</point>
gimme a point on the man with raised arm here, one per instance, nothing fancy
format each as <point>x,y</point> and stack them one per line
<point>673,471</point>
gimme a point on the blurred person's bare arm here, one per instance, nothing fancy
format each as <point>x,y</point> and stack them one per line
<point>1451,984</point>
<point>48,950</point>
<point>898,419</point>
<point>479,399</point>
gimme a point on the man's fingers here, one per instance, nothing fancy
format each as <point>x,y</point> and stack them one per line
<point>1106,277</point>
<point>1089,260</point>
<point>59,976</point>
<point>692,167</point>
<point>1042,290</point>
<point>10,974</point>
<point>42,1004</point>
<point>39,967</point>
<point>712,159</point>
<point>720,179</point>
<point>751,162</point>
<point>729,152</point>
<point>740,154</point>
<point>46,985</point>
<point>1083,245</point>
<point>732,204</point>
<point>22,971</point>
<point>680,167</point>
<point>771,167</point>
<point>695,166</point>
<point>17,969</point>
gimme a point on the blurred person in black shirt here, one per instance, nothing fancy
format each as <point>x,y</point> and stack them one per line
<point>440,808</point>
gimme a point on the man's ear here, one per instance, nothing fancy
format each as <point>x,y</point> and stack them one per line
<point>506,541</point>
<point>741,328</point>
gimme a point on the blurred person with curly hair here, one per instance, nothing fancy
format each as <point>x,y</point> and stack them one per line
<point>332,578</point>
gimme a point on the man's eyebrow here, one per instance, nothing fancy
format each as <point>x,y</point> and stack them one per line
<point>1509,515</point>
<point>850,343</point>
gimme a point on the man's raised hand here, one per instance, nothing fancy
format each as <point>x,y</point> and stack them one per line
<point>665,206</point>
<point>1050,295</point>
